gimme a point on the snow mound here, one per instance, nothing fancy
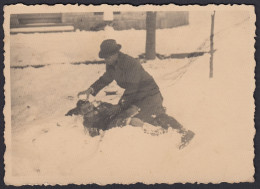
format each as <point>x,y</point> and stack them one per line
<point>52,145</point>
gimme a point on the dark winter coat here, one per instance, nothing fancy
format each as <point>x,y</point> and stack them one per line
<point>130,75</point>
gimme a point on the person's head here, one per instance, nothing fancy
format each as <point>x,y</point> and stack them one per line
<point>110,60</point>
<point>109,51</point>
<point>84,107</point>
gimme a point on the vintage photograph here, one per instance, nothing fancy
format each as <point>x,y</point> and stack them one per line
<point>122,94</point>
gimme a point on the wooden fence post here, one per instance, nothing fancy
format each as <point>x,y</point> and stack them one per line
<point>150,52</point>
<point>211,45</point>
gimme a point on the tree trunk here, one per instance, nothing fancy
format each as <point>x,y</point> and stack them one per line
<point>150,53</point>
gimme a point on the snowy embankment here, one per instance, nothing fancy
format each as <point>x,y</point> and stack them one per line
<point>219,110</point>
<point>69,47</point>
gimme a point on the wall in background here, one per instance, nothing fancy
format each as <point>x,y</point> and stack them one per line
<point>93,21</point>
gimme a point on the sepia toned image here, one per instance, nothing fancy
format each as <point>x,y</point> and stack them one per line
<point>122,94</point>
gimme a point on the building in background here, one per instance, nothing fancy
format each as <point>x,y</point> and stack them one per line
<point>93,21</point>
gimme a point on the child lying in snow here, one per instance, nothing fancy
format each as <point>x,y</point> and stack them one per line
<point>96,119</point>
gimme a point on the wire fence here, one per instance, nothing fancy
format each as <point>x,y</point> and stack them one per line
<point>204,46</point>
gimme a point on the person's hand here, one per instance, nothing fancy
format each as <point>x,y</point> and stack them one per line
<point>86,92</point>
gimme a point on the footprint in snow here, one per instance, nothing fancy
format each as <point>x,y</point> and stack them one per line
<point>37,170</point>
<point>45,130</point>
<point>70,97</point>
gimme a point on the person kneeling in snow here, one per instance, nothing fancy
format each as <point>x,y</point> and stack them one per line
<point>141,90</point>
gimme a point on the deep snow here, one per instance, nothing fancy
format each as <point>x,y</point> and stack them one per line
<point>47,145</point>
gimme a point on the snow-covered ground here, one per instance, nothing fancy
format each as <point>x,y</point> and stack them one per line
<point>47,145</point>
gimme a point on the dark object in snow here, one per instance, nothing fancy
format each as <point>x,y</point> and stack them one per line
<point>26,66</point>
<point>76,111</point>
<point>70,97</point>
<point>45,130</point>
<point>108,93</point>
<point>95,117</point>
<point>186,138</point>
<point>175,55</point>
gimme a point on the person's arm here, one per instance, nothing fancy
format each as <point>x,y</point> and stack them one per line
<point>133,75</point>
<point>103,81</point>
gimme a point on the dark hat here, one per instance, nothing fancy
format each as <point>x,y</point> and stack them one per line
<point>108,47</point>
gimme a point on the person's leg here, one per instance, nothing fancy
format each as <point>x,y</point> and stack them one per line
<point>149,108</point>
<point>152,111</point>
<point>166,121</point>
<point>122,118</point>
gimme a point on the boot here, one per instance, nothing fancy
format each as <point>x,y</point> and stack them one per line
<point>187,136</point>
<point>93,132</point>
<point>166,121</point>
